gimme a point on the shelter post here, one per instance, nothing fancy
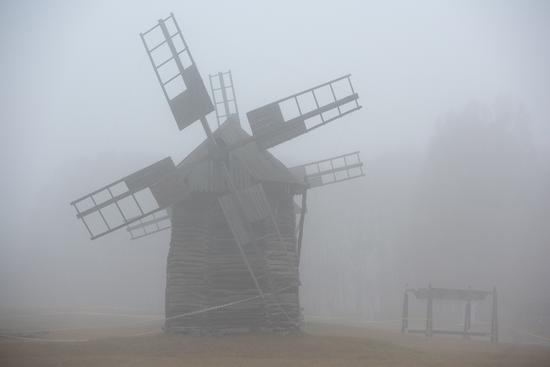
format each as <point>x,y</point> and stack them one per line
<point>494,317</point>
<point>429,312</point>
<point>405,314</point>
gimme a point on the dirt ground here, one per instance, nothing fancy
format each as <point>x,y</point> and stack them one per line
<point>320,345</point>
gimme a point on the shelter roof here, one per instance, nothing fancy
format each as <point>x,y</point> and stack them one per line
<point>450,294</point>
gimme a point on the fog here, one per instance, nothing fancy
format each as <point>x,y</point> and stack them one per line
<point>454,133</point>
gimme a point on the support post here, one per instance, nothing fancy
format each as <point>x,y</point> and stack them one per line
<point>467,319</point>
<point>302,217</point>
<point>405,314</point>
<point>429,312</point>
<point>494,317</point>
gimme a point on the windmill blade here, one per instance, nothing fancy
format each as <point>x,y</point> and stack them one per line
<point>332,170</point>
<point>129,199</point>
<point>153,223</point>
<point>293,116</point>
<point>177,72</point>
<point>223,95</point>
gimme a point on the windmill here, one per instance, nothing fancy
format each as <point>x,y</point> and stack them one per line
<point>235,242</point>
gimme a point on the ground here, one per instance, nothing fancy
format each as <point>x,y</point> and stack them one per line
<point>320,345</point>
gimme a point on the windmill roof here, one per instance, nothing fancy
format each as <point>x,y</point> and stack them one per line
<point>246,164</point>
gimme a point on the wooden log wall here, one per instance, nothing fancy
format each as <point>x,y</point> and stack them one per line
<point>205,269</point>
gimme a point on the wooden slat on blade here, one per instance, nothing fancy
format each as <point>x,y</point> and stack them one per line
<point>451,294</point>
<point>143,193</point>
<point>262,118</point>
<point>135,182</point>
<point>194,102</point>
<point>276,131</point>
<point>149,175</point>
<point>150,219</point>
<point>185,91</point>
<point>270,127</point>
<point>139,179</point>
<point>286,131</point>
<point>332,170</point>
<point>149,225</point>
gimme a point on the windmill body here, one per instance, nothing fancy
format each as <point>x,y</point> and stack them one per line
<point>236,230</point>
<point>204,266</point>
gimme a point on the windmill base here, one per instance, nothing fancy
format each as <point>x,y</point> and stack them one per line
<point>209,289</point>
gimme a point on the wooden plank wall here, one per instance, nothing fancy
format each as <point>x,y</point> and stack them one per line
<point>205,269</point>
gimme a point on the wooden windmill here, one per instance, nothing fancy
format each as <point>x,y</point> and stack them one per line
<point>235,243</point>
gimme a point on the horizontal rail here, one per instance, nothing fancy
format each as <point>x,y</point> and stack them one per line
<point>165,62</point>
<point>172,78</point>
<point>222,102</point>
<point>225,87</point>
<point>333,118</point>
<point>156,25</point>
<point>162,43</point>
<point>169,59</point>
<point>325,108</point>
<point>450,332</point>
<point>221,72</point>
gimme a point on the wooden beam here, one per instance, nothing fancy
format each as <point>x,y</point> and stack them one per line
<point>405,314</point>
<point>467,318</point>
<point>301,225</point>
<point>429,312</point>
<point>494,317</point>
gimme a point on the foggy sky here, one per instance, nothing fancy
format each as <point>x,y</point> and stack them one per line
<point>81,107</point>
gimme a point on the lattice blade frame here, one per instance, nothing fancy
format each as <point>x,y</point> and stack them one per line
<point>332,170</point>
<point>129,199</point>
<point>153,223</point>
<point>177,72</point>
<point>223,96</point>
<point>295,115</point>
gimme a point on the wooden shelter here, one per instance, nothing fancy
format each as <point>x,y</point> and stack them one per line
<point>465,295</point>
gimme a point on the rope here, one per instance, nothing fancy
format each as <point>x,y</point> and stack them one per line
<point>85,313</point>
<point>29,339</point>
<point>192,313</point>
